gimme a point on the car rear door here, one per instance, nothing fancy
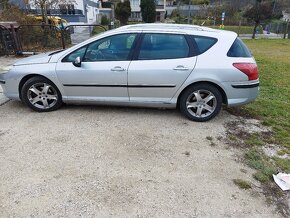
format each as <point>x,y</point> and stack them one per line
<point>161,64</point>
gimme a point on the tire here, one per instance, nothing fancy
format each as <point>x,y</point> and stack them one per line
<point>41,95</point>
<point>200,102</point>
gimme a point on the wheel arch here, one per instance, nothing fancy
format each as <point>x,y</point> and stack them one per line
<point>224,95</point>
<point>26,78</point>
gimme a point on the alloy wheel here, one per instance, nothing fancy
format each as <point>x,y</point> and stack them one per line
<point>201,103</point>
<point>42,95</point>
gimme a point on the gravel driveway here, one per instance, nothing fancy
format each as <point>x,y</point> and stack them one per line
<point>91,161</point>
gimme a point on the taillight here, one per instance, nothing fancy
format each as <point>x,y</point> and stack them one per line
<point>250,69</point>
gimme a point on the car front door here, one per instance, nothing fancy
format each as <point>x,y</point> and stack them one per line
<point>102,74</point>
<point>161,65</point>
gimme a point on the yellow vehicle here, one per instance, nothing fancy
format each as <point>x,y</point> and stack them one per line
<point>54,21</point>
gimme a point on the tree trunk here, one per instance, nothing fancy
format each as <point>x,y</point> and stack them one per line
<point>42,13</point>
<point>255,30</point>
<point>45,14</point>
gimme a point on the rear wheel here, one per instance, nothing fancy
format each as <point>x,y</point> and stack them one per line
<point>200,102</point>
<point>41,95</point>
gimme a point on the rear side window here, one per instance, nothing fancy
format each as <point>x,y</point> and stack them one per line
<point>239,49</point>
<point>203,43</point>
<point>163,46</point>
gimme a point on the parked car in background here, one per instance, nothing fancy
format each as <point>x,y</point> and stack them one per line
<point>193,68</point>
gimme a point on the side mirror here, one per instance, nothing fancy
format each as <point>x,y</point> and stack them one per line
<point>77,62</point>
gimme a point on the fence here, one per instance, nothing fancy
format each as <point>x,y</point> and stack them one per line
<point>279,28</point>
<point>7,45</point>
<point>44,37</point>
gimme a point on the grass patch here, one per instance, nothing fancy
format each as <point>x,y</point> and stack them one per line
<point>241,29</point>
<point>282,164</point>
<point>209,138</point>
<point>273,103</point>
<point>232,137</point>
<point>242,184</point>
<point>272,107</point>
<point>254,140</point>
<point>257,160</point>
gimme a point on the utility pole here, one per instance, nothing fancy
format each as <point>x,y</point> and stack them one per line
<point>274,6</point>
<point>286,30</point>
<point>188,16</point>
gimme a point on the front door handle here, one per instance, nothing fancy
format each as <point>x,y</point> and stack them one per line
<point>180,67</point>
<point>118,68</point>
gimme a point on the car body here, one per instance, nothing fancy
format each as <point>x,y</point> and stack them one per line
<point>156,65</point>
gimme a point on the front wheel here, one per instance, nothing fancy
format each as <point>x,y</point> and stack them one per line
<point>200,102</point>
<point>41,95</point>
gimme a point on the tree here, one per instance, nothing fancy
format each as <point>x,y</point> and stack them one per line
<point>200,2</point>
<point>148,11</point>
<point>48,4</point>
<point>4,4</point>
<point>104,20</point>
<point>262,10</point>
<point>123,12</point>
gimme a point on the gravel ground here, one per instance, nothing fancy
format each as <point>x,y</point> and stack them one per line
<point>89,161</point>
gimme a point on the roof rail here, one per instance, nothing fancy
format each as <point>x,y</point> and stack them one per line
<point>167,26</point>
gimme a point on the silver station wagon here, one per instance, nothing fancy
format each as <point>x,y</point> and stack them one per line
<point>193,68</point>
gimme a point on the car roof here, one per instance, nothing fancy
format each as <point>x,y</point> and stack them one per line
<point>185,28</point>
<point>224,37</point>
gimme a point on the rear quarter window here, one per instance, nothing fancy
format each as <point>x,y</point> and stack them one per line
<point>239,49</point>
<point>202,43</point>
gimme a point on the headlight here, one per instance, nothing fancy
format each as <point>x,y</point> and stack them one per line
<point>5,69</point>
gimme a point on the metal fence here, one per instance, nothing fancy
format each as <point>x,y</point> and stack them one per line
<point>279,28</point>
<point>43,37</point>
<point>7,41</point>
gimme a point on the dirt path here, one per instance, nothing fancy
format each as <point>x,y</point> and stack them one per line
<point>87,161</point>
<point>99,162</point>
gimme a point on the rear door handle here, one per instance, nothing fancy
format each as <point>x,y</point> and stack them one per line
<point>117,68</point>
<point>180,67</point>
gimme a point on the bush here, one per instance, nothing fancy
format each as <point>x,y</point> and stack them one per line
<point>104,20</point>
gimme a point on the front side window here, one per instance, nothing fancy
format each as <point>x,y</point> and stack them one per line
<point>163,46</point>
<point>113,48</point>
<point>78,53</point>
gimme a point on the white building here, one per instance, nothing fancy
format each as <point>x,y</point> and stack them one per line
<point>286,16</point>
<point>136,10</point>
<point>74,11</point>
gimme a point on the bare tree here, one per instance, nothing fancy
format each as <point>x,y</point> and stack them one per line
<point>44,5</point>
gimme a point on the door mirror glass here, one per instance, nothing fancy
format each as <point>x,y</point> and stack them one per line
<point>77,62</point>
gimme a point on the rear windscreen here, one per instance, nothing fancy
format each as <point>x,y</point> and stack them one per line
<point>239,49</point>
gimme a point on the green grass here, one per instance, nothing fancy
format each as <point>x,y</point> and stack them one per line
<point>257,160</point>
<point>242,184</point>
<point>272,107</point>
<point>254,139</point>
<point>209,138</point>
<point>240,30</point>
<point>273,103</point>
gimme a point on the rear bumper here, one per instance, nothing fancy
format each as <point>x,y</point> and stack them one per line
<point>240,93</point>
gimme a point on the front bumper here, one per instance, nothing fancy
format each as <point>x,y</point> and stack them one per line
<point>9,86</point>
<point>2,79</point>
